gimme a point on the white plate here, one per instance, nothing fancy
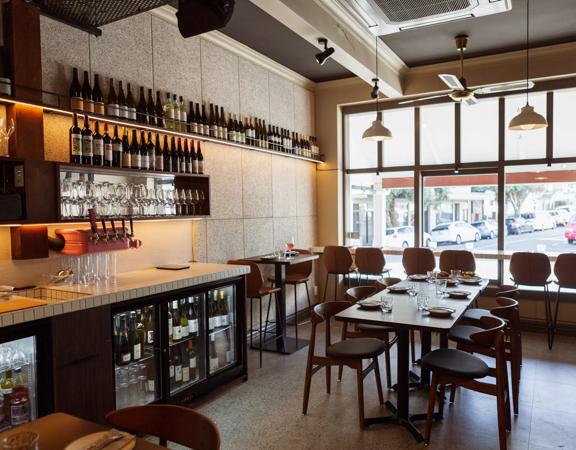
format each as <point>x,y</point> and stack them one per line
<point>85,441</point>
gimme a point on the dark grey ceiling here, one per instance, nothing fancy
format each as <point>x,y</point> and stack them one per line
<point>258,30</point>
<point>552,22</point>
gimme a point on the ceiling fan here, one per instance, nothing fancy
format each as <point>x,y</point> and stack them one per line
<point>460,91</point>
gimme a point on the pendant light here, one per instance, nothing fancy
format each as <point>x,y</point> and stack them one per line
<point>527,119</point>
<point>377,131</point>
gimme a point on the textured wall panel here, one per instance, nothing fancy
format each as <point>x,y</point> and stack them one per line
<point>303,110</point>
<point>226,240</point>
<point>56,144</point>
<point>254,92</point>
<point>305,188</point>
<point>199,240</point>
<point>257,184</point>
<point>284,229</point>
<point>281,102</point>
<point>284,187</point>
<point>220,77</point>
<point>258,236</point>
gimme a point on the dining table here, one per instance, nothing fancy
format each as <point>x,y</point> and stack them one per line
<point>58,430</point>
<point>280,342</point>
<point>406,316</point>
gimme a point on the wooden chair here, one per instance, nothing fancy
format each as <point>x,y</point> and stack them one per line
<point>177,424</point>
<point>565,271</point>
<point>362,330</point>
<point>533,269</point>
<point>418,260</point>
<point>457,260</point>
<point>456,367</point>
<point>350,352</point>
<point>337,261</point>
<point>255,290</point>
<point>473,315</point>
<point>370,261</point>
<point>297,274</point>
<point>506,310</point>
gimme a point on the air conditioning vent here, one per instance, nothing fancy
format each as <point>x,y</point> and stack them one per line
<point>393,16</point>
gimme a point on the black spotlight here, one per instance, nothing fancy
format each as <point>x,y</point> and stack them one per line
<point>375,88</point>
<point>327,53</point>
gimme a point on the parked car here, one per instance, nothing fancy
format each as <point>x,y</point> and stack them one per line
<point>540,220</point>
<point>570,231</point>
<point>559,220</point>
<point>565,214</point>
<point>402,237</point>
<point>518,225</point>
<point>488,228</point>
<point>456,232</point>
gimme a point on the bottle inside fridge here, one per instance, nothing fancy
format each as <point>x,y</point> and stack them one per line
<point>18,402</point>
<point>186,342</point>
<point>222,328</point>
<point>135,364</point>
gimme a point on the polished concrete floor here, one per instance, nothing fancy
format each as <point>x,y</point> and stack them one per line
<point>265,412</point>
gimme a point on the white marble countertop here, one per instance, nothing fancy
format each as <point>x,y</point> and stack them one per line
<point>64,299</point>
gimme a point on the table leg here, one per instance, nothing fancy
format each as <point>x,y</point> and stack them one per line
<point>426,344</point>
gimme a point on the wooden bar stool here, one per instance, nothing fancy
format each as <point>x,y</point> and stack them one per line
<point>177,424</point>
<point>370,261</point>
<point>565,271</point>
<point>255,290</point>
<point>418,260</point>
<point>456,367</point>
<point>354,295</point>
<point>349,353</point>
<point>297,274</point>
<point>457,260</point>
<point>533,269</point>
<point>337,261</point>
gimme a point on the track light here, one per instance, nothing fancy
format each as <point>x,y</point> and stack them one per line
<point>327,53</point>
<point>375,89</point>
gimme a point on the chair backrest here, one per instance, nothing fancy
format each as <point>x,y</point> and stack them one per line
<point>323,312</point>
<point>385,283</point>
<point>358,293</point>
<point>530,269</point>
<point>507,308</point>
<point>301,270</point>
<point>337,259</point>
<point>369,260</point>
<point>254,281</point>
<point>492,327</point>
<point>172,423</point>
<point>508,291</point>
<point>565,270</point>
<point>418,260</point>
<point>457,260</point>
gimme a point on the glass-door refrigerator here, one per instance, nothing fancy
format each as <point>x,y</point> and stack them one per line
<point>221,328</point>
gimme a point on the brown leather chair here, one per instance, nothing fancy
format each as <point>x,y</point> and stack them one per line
<point>349,353</point>
<point>457,260</point>
<point>370,261</point>
<point>533,269</point>
<point>475,314</point>
<point>298,274</point>
<point>418,260</point>
<point>177,424</point>
<point>337,261</point>
<point>255,290</point>
<point>565,271</point>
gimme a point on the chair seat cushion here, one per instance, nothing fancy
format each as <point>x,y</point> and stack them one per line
<point>476,313</point>
<point>357,348</point>
<point>462,333</point>
<point>374,328</point>
<point>291,279</point>
<point>267,291</point>
<point>455,362</point>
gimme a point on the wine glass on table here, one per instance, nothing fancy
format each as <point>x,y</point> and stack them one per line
<point>290,243</point>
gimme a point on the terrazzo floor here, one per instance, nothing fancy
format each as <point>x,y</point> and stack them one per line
<point>265,411</point>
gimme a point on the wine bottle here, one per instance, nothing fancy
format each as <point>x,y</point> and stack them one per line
<point>184,319</point>
<point>200,159</point>
<point>170,327</point>
<point>193,159</point>
<point>210,306</point>
<point>98,145</point>
<point>181,157</point>
<point>124,353</point>
<point>108,151</point>
<point>176,325</point>
<point>168,112</point>
<point>223,126</point>
<point>75,142</point>
<point>199,126</point>
<point>171,366</point>
<point>151,152</point>
<point>134,339</point>
<point>149,326</point>
<point>76,102</point>
<point>229,356</point>
<point>142,108</point>
<point>112,105</point>
<point>177,366</point>
<point>122,105</point>
<point>185,366</point>
<point>218,130</point>
<point>143,149</point>
<point>151,108</point>
<point>130,103</point>
<point>116,149</point>
<point>159,111</point>
<point>192,317</point>
<point>126,155</point>
<point>135,156</point>
<point>242,131</point>
<point>158,155</point>
<point>187,158</point>
<point>231,132</point>
<point>205,125</point>
<point>97,96</point>
<point>176,108</point>
<point>223,310</point>
<point>166,155</point>
<point>87,143</point>
<point>183,115</point>
<point>247,131</point>
<point>174,155</point>
<point>214,362</point>
<point>192,121</point>
<point>192,363</point>
<point>87,102</point>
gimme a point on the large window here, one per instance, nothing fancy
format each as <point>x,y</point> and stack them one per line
<point>437,137</point>
<point>480,131</point>
<point>360,154</point>
<point>399,151</point>
<point>564,129</point>
<point>525,144</point>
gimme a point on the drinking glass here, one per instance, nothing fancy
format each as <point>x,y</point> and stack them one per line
<point>422,302</point>
<point>387,304</point>
<point>413,289</point>
<point>455,274</point>
<point>431,276</point>
<point>184,210</point>
<point>440,287</point>
<point>23,440</point>
<point>201,200</point>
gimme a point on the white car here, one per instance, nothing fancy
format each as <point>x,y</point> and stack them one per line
<point>564,214</point>
<point>402,237</point>
<point>540,220</point>
<point>455,232</point>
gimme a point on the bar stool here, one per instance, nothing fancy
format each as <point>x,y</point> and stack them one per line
<point>533,269</point>
<point>255,290</point>
<point>457,260</point>
<point>337,261</point>
<point>418,260</point>
<point>565,271</point>
<point>297,274</point>
<point>370,261</point>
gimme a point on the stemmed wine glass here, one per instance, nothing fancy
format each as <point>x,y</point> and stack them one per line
<point>290,243</point>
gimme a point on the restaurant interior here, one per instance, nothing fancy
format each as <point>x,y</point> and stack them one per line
<point>285,224</point>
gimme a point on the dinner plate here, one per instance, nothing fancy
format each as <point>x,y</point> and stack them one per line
<point>398,289</point>
<point>461,295</point>
<point>440,312</point>
<point>85,442</point>
<point>472,280</point>
<point>369,304</point>
<point>451,283</point>
<point>418,277</point>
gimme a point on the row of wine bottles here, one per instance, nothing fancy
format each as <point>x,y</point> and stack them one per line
<point>164,155</point>
<point>172,114</point>
<point>133,331</point>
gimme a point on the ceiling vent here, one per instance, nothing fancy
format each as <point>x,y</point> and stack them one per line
<point>392,16</point>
